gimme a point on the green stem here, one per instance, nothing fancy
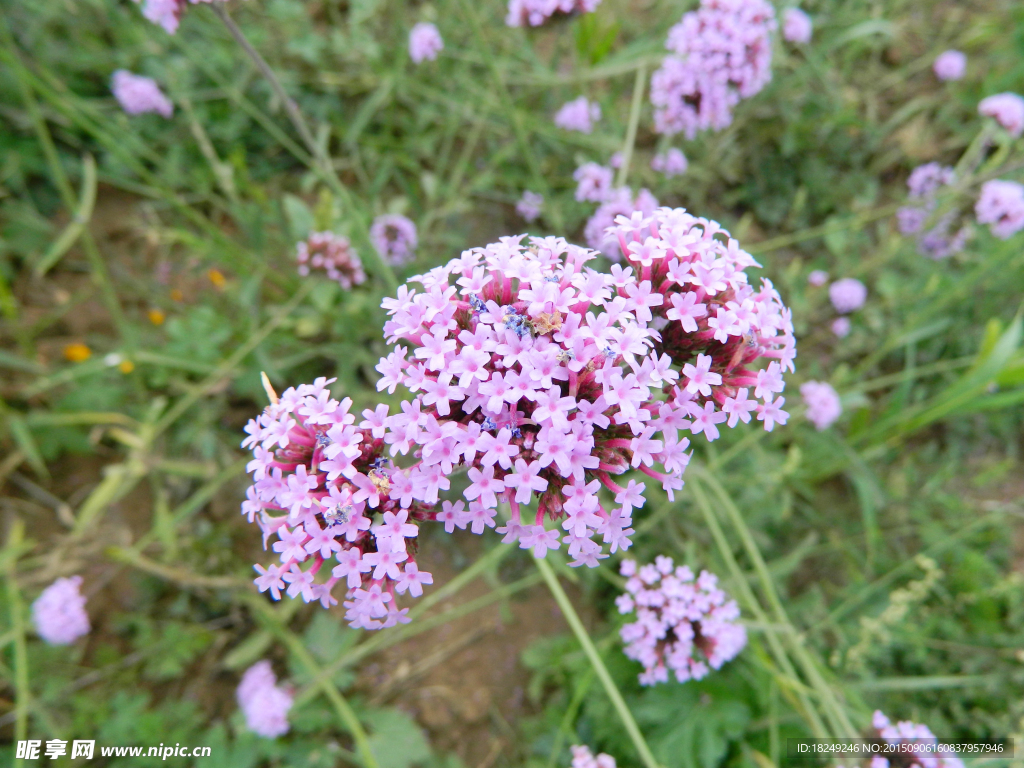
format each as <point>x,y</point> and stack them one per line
<point>596,662</point>
<point>21,686</point>
<point>634,121</point>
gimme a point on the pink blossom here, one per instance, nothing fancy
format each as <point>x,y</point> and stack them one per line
<point>530,205</point>
<point>823,406</point>
<point>59,612</point>
<point>138,95</point>
<point>847,295</point>
<point>578,115</point>
<point>817,278</point>
<point>926,756</point>
<point>720,53</point>
<point>1001,206</point>
<point>796,26</point>
<point>841,327</point>
<point>683,625</point>
<point>1007,109</point>
<point>536,12</point>
<point>332,253</point>
<point>394,238</point>
<point>593,182</point>
<point>950,65</point>
<point>582,757</point>
<point>424,42</point>
<point>671,162</point>
<point>264,703</point>
<point>620,202</point>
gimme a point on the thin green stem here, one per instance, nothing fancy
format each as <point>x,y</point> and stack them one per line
<point>21,687</point>
<point>634,120</point>
<point>571,617</point>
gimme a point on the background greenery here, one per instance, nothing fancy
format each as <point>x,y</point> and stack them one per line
<point>879,563</point>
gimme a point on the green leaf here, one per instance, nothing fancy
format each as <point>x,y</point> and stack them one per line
<point>300,217</point>
<point>397,742</point>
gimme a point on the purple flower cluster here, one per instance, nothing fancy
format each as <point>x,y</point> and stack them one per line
<point>671,163</point>
<point>138,94</point>
<point>822,401</point>
<point>619,201</point>
<point>923,185</point>
<point>950,65</point>
<point>1001,206</point>
<point>424,42</point>
<point>536,12</point>
<point>1007,109</point>
<point>530,205</point>
<point>394,237</point>
<point>905,730</point>
<point>797,26</point>
<point>847,295</point>
<point>582,757</point>
<point>167,13</point>
<point>316,475</point>
<point>578,115</point>
<point>683,625</point>
<point>593,182</point>
<point>333,254</point>
<point>721,53</point>
<point>264,704</point>
<point>543,378</point>
<point>59,612</point>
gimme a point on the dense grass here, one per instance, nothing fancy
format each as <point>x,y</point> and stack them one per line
<point>878,562</point>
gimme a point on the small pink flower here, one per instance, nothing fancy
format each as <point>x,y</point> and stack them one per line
<point>1007,109</point>
<point>672,162</point>
<point>424,42</point>
<point>847,295</point>
<point>1001,206</point>
<point>796,26</point>
<point>536,12</point>
<point>578,115</point>
<point>823,406</point>
<point>138,95</point>
<point>394,238</point>
<point>950,65</point>
<point>59,612</point>
<point>817,278</point>
<point>530,205</point>
<point>264,704</point>
<point>841,327</point>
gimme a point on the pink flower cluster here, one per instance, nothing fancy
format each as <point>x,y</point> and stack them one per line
<point>1001,206</point>
<point>394,237</point>
<point>797,26</point>
<point>721,53</point>
<point>332,253</point>
<point>318,478</point>
<point>530,205</point>
<point>138,95</point>
<point>578,115</point>
<point>424,42</point>
<point>908,731</point>
<point>822,401</point>
<point>684,625</point>
<point>167,13</point>
<point>536,12</point>
<point>619,201</point>
<point>847,295</point>
<point>950,65</point>
<point>1007,109</point>
<point>59,612</point>
<point>817,278</point>
<point>923,185</point>
<point>264,704</point>
<point>582,757</point>
<point>544,378</point>
<point>672,162</point>
<point>593,182</point>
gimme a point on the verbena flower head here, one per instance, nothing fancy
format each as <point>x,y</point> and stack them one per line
<point>684,625</point>
<point>618,202</point>
<point>582,757</point>
<point>1001,206</point>
<point>822,401</point>
<point>1007,109</point>
<point>817,278</point>
<point>59,612</point>
<point>264,704</point>
<point>672,162</point>
<point>841,327</point>
<point>530,205</point>
<point>543,378</point>
<point>721,53</point>
<point>847,295</point>
<point>340,511</point>
<point>333,254</point>
<point>593,182</point>
<point>797,26</point>
<point>167,13</point>
<point>925,757</point>
<point>138,94</point>
<point>536,12</point>
<point>578,115</point>
<point>394,237</point>
<point>923,185</point>
<point>424,42</point>
<point>950,65</point>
